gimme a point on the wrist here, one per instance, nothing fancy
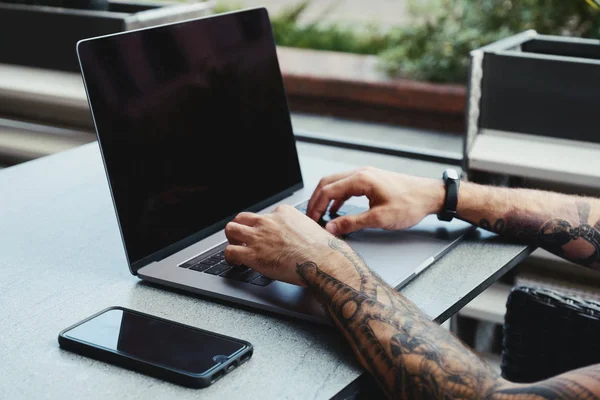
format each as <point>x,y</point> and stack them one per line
<point>436,194</point>
<point>338,266</point>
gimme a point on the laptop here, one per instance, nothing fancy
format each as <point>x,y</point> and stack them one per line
<point>193,126</point>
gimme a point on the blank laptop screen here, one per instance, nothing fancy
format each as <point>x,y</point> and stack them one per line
<point>193,124</point>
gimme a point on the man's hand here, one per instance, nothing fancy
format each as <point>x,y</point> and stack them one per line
<point>397,201</point>
<point>275,244</point>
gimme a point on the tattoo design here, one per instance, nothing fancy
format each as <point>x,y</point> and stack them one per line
<point>559,387</point>
<point>409,355</point>
<point>580,243</point>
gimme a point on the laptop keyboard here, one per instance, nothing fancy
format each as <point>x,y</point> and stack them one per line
<point>216,264</point>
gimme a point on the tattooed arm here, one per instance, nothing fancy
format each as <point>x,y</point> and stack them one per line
<point>568,226</point>
<point>409,355</point>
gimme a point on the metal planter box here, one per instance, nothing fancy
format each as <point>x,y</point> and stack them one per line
<point>532,110</point>
<point>45,37</point>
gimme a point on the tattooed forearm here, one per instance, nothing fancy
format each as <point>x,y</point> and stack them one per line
<point>568,226</point>
<point>409,355</point>
<point>575,241</point>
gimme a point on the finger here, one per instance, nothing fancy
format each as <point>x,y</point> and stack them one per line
<point>284,208</point>
<point>235,242</point>
<point>247,218</point>
<point>337,204</point>
<point>324,182</point>
<point>238,255</point>
<point>344,188</point>
<point>352,223</point>
<point>238,233</point>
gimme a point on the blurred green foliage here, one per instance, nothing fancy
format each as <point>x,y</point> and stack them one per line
<point>288,31</point>
<point>436,48</point>
<point>334,37</point>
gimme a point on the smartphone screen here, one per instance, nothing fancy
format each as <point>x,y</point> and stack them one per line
<point>155,341</point>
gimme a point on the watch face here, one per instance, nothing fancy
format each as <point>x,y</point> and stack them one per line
<point>451,174</point>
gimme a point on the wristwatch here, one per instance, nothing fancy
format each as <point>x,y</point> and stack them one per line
<point>452,182</point>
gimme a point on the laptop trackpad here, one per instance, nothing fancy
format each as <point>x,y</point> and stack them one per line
<point>395,255</point>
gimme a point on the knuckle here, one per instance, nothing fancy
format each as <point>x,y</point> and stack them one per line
<point>376,217</point>
<point>266,221</point>
<point>325,192</point>
<point>231,229</point>
<point>346,223</point>
<point>363,176</point>
<point>240,216</point>
<point>252,257</point>
<point>322,182</point>
<point>228,252</point>
<point>286,209</point>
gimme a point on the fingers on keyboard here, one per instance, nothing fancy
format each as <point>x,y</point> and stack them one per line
<point>216,265</point>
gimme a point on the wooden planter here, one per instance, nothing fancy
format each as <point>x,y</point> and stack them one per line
<point>352,86</point>
<point>45,37</point>
<point>319,82</point>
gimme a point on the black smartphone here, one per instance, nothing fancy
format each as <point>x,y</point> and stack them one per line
<point>155,346</point>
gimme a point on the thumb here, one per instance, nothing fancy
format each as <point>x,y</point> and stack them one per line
<point>350,223</point>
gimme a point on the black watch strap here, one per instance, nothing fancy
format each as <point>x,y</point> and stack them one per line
<point>452,183</point>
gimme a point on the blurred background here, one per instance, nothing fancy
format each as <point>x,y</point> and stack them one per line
<point>418,48</point>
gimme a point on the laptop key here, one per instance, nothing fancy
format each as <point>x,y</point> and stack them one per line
<point>235,272</point>
<point>262,281</point>
<point>249,276</point>
<point>217,269</point>
<point>191,262</point>
<point>225,262</point>
<point>200,267</point>
<point>211,261</point>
